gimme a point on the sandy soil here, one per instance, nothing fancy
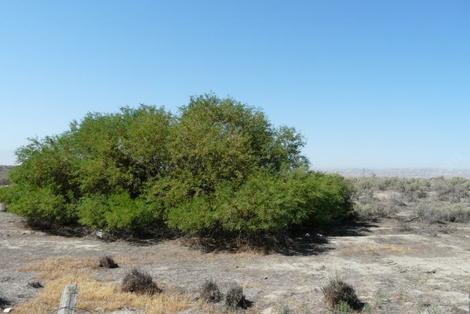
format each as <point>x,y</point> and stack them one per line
<point>396,267</point>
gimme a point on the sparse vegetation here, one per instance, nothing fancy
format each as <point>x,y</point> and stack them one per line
<point>341,296</point>
<point>428,200</point>
<point>107,262</point>
<point>434,212</point>
<point>139,282</point>
<point>218,167</point>
<point>95,295</point>
<point>210,292</point>
<point>392,267</point>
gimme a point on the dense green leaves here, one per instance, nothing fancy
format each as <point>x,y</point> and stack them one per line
<point>39,205</point>
<point>217,165</point>
<point>117,211</point>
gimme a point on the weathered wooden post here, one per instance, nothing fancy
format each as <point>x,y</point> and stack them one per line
<point>2,207</point>
<point>68,300</point>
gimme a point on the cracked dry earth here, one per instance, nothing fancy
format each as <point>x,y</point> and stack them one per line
<point>394,267</point>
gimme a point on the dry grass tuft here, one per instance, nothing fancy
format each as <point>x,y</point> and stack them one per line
<point>338,293</point>
<point>53,268</point>
<point>107,262</point>
<point>139,282</point>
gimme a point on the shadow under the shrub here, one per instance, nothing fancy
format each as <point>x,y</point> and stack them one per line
<point>282,244</point>
<point>149,237</point>
<point>351,228</point>
<point>303,242</point>
<point>71,231</point>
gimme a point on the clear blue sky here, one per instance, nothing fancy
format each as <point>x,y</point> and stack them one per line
<point>369,83</point>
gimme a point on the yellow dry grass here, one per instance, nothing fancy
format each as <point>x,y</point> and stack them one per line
<point>53,268</point>
<point>94,296</point>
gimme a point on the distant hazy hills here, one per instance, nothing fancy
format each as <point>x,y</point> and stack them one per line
<point>356,172</point>
<point>406,173</point>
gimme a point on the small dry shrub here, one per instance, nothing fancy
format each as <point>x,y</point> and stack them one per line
<point>236,299</point>
<point>108,262</point>
<point>4,303</point>
<point>338,293</point>
<point>139,282</point>
<point>210,292</point>
<point>35,284</point>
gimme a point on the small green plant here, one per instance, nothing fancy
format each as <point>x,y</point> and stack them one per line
<point>343,308</point>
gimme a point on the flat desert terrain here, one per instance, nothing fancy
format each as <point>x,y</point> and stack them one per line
<point>396,265</point>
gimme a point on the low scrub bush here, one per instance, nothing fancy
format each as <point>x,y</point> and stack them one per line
<point>218,166</point>
<point>35,284</point>
<point>139,282</point>
<point>236,299</point>
<point>452,190</point>
<point>339,295</point>
<point>107,262</point>
<point>210,292</point>
<point>4,303</point>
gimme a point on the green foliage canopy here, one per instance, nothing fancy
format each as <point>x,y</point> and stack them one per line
<point>217,165</point>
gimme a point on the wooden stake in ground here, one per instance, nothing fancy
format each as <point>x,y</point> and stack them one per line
<point>68,300</point>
